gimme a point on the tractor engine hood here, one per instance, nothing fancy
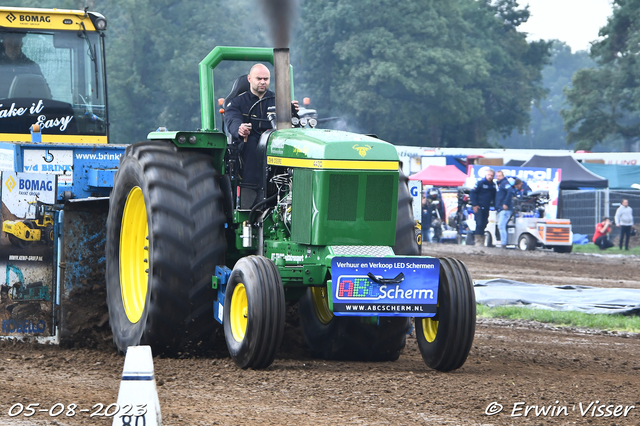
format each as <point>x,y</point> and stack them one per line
<point>321,148</point>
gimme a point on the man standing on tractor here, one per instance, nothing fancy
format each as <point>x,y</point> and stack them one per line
<point>504,205</point>
<point>246,119</point>
<point>483,196</point>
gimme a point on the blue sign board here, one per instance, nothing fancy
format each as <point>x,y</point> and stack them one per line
<point>384,286</point>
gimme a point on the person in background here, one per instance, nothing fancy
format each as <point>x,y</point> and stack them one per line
<point>601,237</point>
<point>624,219</point>
<point>520,189</point>
<point>483,196</point>
<point>504,205</point>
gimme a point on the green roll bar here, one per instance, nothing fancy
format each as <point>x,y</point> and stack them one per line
<point>205,68</point>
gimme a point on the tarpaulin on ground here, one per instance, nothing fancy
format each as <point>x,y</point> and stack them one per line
<point>592,300</point>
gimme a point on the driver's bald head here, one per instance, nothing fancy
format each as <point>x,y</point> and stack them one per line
<point>259,77</point>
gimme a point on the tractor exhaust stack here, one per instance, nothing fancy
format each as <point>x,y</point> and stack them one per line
<point>281,65</point>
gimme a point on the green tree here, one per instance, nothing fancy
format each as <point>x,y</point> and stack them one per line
<point>605,101</point>
<point>421,72</point>
<point>546,129</point>
<point>153,61</point>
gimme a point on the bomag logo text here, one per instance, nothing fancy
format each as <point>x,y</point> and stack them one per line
<point>34,18</point>
<point>362,150</point>
<point>35,185</point>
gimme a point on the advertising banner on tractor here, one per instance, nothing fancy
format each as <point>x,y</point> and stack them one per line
<point>50,161</point>
<point>384,286</point>
<point>537,178</point>
<point>26,254</point>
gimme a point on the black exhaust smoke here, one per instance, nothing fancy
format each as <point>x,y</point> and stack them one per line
<point>280,16</point>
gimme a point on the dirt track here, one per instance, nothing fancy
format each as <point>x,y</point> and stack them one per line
<point>510,363</point>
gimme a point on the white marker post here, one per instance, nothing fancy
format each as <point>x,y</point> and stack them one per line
<point>138,396</point>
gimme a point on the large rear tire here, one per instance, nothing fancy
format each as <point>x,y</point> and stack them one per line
<point>356,338</point>
<point>254,311</point>
<point>406,243</point>
<point>445,340</point>
<point>165,235</point>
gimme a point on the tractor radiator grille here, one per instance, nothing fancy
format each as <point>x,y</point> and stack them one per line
<point>378,203</point>
<point>343,197</point>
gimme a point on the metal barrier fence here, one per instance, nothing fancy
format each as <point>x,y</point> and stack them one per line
<point>587,208</point>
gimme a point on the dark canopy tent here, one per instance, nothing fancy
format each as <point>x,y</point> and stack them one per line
<point>440,176</point>
<point>574,175</point>
<point>513,163</point>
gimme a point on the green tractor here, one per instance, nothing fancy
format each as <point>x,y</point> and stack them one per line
<point>330,228</point>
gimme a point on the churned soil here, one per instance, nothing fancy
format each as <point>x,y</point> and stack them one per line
<point>527,372</point>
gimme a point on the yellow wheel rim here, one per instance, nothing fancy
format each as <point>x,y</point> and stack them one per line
<point>429,329</point>
<point>134,255</point>
<point>321,304</point>
<point>239,313</point>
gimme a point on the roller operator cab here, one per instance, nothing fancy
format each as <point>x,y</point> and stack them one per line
<point>52,74</point>
<point>329,228</point>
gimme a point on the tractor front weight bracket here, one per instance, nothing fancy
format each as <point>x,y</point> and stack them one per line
<point>219,282</point>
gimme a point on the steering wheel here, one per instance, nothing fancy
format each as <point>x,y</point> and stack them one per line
<point>255,105</point>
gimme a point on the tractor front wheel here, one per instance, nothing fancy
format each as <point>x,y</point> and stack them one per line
<point>445,340</point>
<point>254,311</point>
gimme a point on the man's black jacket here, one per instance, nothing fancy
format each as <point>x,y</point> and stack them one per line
<point>236,113</point>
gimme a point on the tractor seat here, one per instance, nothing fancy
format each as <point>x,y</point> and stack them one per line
<point>240,86</point>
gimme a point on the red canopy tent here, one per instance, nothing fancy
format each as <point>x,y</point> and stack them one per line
<point>440,176</point>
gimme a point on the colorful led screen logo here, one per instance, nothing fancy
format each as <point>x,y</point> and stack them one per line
<point>358,287</point>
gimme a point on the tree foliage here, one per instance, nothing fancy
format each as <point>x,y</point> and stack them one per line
<point>605,101</point>
<point>153,51</point>
<point>546,130</point>
<point>421,72</point>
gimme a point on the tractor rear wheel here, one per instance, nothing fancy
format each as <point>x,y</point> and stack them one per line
<point>254,311</point>
<point>165,235</point>
<point>406,243</point>
<point>349,338</point>
<point>445,340</point>
<point>357,338</point>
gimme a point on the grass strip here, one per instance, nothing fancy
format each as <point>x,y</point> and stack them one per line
<point>607,322</point>
<point>592,248</point>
